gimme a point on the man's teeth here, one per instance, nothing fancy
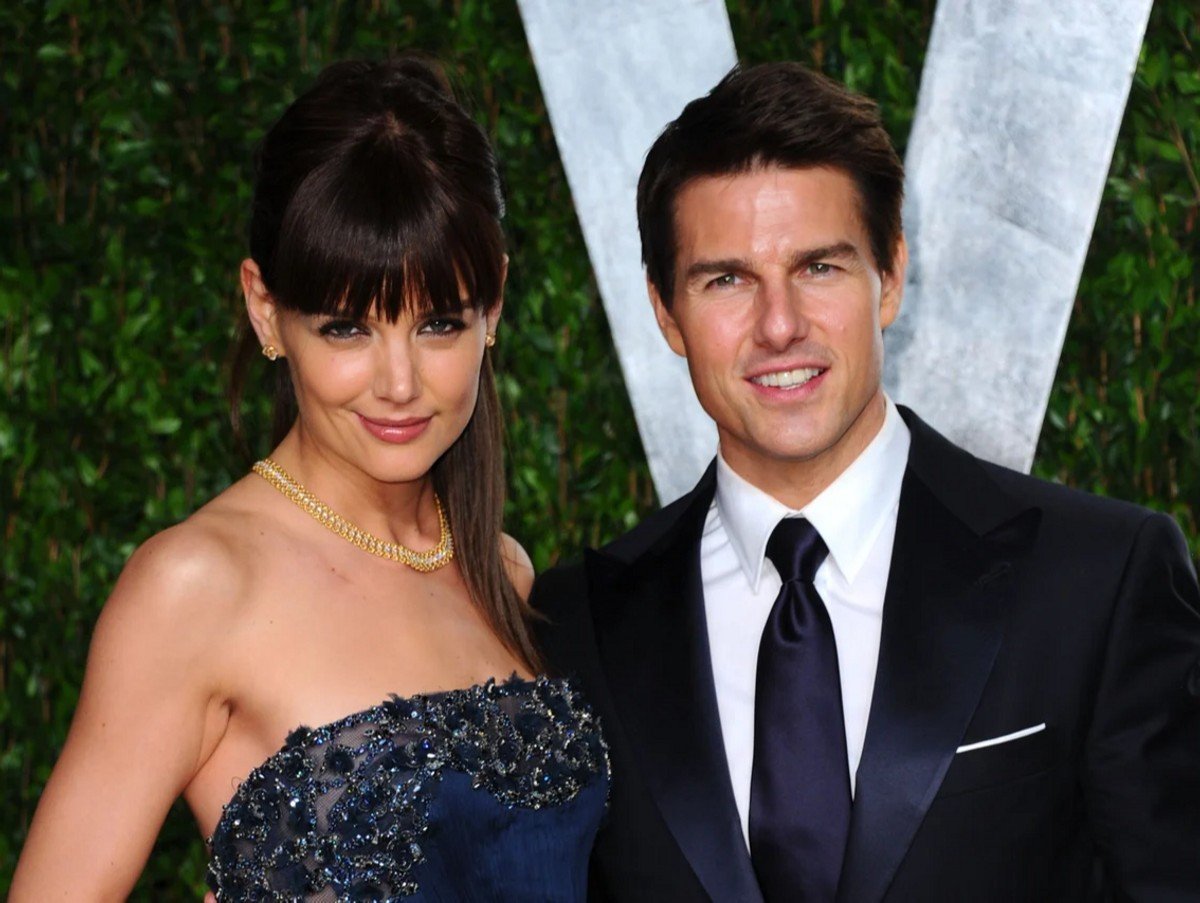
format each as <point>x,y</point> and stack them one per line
<point>787,379</point>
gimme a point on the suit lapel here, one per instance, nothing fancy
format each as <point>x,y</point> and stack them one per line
<point>943,624</point>
<point>652,637</point>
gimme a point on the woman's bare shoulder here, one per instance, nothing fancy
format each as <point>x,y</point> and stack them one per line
<point>518,564</point>
<point>195,573</point>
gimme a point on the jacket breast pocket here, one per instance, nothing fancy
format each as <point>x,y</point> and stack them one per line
<point>981,764</point>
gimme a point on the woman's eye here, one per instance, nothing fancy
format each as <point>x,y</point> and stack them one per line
<point>342,329</point>
<point>443,326</point>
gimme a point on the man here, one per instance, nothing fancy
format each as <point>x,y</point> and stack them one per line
<point>856,662</point>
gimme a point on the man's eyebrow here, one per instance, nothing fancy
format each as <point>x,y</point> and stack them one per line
<point>841,249</point>
<point>799,260</point>
<point>716,267</point>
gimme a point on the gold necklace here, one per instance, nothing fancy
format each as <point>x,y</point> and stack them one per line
<point>437,557</point>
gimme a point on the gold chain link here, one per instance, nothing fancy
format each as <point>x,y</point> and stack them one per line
<point>437,557</point>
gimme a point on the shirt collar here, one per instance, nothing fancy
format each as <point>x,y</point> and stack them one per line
<point>848,513</point>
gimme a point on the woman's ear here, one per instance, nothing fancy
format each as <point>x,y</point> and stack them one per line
<point>492,319</point>
<point>493,315</point>
<point>261,307</point>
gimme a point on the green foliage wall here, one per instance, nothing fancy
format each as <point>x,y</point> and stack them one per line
<point>127,129</point>
<point>1124,419</point>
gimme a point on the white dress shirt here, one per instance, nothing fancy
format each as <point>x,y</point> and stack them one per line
<point>856,516</point>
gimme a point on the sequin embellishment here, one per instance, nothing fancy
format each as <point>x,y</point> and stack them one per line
<point>340,811</point>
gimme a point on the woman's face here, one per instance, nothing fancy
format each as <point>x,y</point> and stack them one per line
<point>388,398</point>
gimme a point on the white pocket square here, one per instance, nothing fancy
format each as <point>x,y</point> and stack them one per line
<point>1007,738</point>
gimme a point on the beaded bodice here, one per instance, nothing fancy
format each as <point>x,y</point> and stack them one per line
<point>491,792</point>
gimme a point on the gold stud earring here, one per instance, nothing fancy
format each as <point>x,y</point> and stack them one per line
<point>270,352</point>
<point>490,339</point>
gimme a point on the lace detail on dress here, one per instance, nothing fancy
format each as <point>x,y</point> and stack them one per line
<point>340,811</point>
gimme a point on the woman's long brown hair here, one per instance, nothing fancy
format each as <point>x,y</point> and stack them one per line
<point>375,191</point>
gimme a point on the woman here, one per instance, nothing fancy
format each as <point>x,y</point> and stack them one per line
<point>355,579</point>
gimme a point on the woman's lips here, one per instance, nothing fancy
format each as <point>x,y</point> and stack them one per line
<point>395,431</point>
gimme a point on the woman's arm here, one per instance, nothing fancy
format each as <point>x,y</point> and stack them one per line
<point>150,713</point>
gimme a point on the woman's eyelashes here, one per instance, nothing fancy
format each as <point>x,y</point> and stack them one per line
<point>443,325</point>
<point>342,329</point>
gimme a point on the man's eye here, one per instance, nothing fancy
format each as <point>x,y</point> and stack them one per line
<point>342,329</point>
<point>724,280</point>
<point>821,269</point>
<point>443,326</point>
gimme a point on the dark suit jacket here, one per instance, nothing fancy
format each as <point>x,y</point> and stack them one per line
<point>1011,602</point>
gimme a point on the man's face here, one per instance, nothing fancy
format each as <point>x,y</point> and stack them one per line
<point>779,309</point>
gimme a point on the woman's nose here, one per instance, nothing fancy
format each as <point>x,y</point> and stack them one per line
<point>396,376</point>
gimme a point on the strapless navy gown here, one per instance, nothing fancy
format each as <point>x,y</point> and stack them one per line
<point>491,793</point>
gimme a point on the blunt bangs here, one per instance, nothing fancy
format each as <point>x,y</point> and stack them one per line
<point>376,230</point>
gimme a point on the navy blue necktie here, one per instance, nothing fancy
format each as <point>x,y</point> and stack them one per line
<point>800,784</point>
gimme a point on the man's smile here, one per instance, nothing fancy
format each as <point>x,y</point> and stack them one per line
<point>787,379</point>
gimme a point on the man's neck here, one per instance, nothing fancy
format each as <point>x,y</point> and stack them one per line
<point>796,482</point>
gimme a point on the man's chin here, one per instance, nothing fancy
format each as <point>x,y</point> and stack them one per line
<point>776,450</point>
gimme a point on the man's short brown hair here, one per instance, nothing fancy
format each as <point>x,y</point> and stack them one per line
<point>773,114</point>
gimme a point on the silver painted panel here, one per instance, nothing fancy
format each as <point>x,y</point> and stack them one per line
<point>1017,117</point>
<point>614,73</point>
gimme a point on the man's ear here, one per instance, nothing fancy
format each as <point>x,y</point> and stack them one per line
<point>666,321</point>
<point>892,288</point>
<point>260,306</point>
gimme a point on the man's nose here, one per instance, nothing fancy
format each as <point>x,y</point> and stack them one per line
<point>780,314</point>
